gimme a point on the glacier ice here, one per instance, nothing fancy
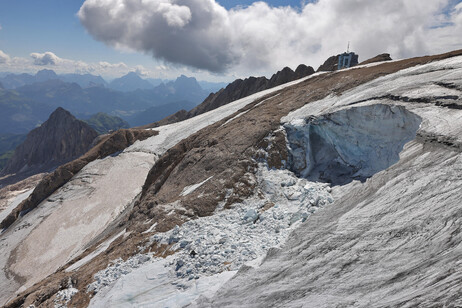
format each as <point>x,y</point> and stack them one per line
<point>352,143</point>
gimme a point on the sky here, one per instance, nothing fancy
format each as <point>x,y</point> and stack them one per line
<point>216,40</point>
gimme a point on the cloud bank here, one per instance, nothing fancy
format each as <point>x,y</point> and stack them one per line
<point>38,61</point>
<point>47,58</point>
<point>4,58</point>
<point>202,34</point>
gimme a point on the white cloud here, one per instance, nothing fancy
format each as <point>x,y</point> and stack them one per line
<point>4,58</point>
<point>204,35</point>
<point>65,66</point>
<point>46,58</point>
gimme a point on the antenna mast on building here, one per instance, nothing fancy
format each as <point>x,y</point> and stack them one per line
<point>348,47</point>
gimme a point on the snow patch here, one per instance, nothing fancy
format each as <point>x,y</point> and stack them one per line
<point>14,202</point>
<point>189,189</point>
<point>64,296</point>
<point>151,228</point>
<point>102,247</point>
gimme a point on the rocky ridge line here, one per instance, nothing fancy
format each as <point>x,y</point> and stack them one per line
<point>236,90</point>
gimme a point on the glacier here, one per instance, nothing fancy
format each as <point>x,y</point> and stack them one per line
<point>392,239</point>
<point>364,212</point>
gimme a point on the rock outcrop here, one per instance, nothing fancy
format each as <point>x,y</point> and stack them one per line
<point>60,139</point>
<point>329,65</point>
<point>379,58</point>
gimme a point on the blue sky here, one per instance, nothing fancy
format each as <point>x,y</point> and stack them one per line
<point>52,25</point>
<point>31,26</point>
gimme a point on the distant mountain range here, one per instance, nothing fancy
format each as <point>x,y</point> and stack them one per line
<point>27,100</point>
<point>103,123</point>
<point>130,82</point>
<point>127,83</point>
<point>13,81</point>
<point>236,90</point>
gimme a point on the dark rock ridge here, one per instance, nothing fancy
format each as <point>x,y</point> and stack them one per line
<point>330,65</point>
<point>106,146</point>
<point>379,58</point>
<point>236,90</point>
<point>60,139</point>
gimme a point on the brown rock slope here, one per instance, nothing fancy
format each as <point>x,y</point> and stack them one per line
<point>109,144</point>
<point>59,140</point>
<point>224,151</point>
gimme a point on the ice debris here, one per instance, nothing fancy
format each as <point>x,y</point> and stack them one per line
<point>231,238</point>
<point>118,269</point>
<point>63,297</point>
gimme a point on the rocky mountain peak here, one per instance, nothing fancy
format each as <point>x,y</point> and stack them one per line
<point>130,82</point>
<point>60,139</point>
<point>244,87</point>
<point>303,70</point>
<point>44,75</point>
<point>183,82</point>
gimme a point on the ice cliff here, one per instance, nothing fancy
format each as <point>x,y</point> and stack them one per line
<point>349,144</point>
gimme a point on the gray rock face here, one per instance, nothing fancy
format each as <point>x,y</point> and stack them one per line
<point>60,139</point>
<point>329,65</point>
<point>379,58</point>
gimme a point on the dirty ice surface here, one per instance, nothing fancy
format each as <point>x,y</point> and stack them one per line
<point>14,202</point>
<point>63,224</point>
<point>211,249</point>
<point>392,241</point>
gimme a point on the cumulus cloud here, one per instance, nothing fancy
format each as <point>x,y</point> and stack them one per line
<point>4,58</point>
<point>204,35</point>
<point>46,58</point>
<point>191,32</point>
